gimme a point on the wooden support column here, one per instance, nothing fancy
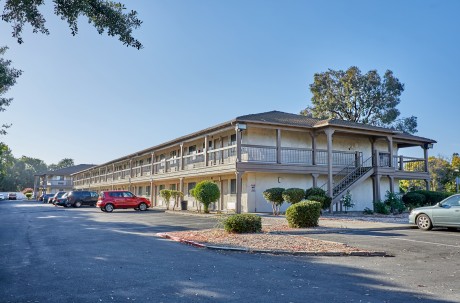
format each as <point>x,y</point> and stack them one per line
<point>390,149</point>
<point>205,150</point>
<point>313,147</point>
<point>152,185</point>
<point>427,184</point>
<point>113,174</point>
<point>315,179</point>
<point>374,160</point>
<point>239,191</point>
<point>152,160</point>
<point>376,181</point>
<point>392,184</point>
<point>238,146</point>
<point>181,160</point>
<point>221,199</point>
<point>278,146</point>
<point>329,132</point>
<point>425,154</point>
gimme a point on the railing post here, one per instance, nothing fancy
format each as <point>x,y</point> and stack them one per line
<point>357,159</point>
<point>425,154</point>
<point>238,145</point>
<point>401,163</point>
<point>329,132</point>
<point>313,148</point>
<point>278,146</point>
<point>205,150</point>
<point>239,187</point>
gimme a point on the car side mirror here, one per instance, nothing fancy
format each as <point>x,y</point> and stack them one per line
<point>438,204</point>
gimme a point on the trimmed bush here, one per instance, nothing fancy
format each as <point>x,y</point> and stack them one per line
<point>275,197</point>
<point>381,208</point>
<point>433,197</point>
<point>368,211</point>
<point>206,192</point>
<point>303,214</point>
<point>314,193</point>
<point>243,223</point>
<point>166,195</point>
<point>413,200</point>
<point>325,202</point>
<point>28,196</point>
<point>293,195</point>
<point>394,202</point>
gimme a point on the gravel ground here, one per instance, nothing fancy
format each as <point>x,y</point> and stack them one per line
<point>275,235</point>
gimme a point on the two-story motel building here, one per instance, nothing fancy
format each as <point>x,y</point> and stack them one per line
<point>251,153</point>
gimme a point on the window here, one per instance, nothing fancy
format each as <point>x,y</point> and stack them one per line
<point>233,186</point>
<point>160,187</point>
<point>147,190</point>
<point>191,149</point>
<point>127,194</point>
<point>173,154</point>
<point>149,160</point>
<point>172,187</point>
<point>190,186</point>
<point>139,191</point>
<point>233,139</point>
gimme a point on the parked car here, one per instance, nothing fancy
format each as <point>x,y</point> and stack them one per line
<point>2,197</point>
<point>61,201</point>
<point>57,195</point>
<point>444,214</point>
<point>78,198</point>
<point>46,197</point>
<point>12,196</point>
<point>116,199</point>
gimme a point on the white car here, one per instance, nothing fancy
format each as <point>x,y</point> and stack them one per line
<point>2,197</point>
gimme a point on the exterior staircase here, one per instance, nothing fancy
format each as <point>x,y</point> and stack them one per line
<point>349,177</point>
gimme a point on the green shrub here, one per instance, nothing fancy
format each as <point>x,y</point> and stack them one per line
<point>166,195</point>
<point>303,214</point>
<point>394,202</point>
<point>315,191</point>
<point>368,211</point>
<point>413,200</point>
<point>347,201</point>
<point>206,192</point>
<point>325,201</point>
<point>275,197</point>
<point>28,196</point>
<point>433,197</point>
<point>381,208</point>
<point>293,195</point>
<point>243,223</point>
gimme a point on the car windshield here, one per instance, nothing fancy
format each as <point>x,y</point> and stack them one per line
<point>451,201</point>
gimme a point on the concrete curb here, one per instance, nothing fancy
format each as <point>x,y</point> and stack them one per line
<point>278,252</point>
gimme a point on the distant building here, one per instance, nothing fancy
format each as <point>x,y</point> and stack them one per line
<point>57,180</point>
<point>251,153</point>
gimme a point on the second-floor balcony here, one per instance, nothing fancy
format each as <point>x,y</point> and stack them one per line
<point>57,183</point>
<point>256,154</point>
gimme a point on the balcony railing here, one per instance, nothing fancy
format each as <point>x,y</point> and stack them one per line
<point>59,183</point>
<point>257,154</point>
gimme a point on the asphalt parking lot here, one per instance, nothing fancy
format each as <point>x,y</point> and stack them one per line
<point>51,254</point>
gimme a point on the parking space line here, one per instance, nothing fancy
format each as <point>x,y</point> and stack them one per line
<point>426,242</point>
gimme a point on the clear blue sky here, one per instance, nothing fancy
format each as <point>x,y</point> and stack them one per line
<point>92,99</point>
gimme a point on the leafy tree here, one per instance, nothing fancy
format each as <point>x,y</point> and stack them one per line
<point>166,195</point>
<point>104,15</point>
<point>350,95</point>
<point>66,162</point>
<point>176,195</point>
<point>6,162</point>
<point>8,76</point>
<point>440,172</point>
<point>206,192</point>
<point>275,197</point>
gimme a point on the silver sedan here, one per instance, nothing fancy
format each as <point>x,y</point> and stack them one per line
<point>444,214</point>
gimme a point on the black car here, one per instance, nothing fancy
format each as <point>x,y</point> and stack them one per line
<point>57,195</point>
<point>45,197</point>
<point>78,198</point>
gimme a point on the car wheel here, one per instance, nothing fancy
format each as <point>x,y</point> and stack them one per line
<point>77,204</point>
<point>67,204</point>
<point>142,207</point>
<point>108,208</point>
<point>424,222</point>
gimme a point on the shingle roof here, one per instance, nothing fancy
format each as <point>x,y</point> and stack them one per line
<point>277,117</point>
<point>68,170</point>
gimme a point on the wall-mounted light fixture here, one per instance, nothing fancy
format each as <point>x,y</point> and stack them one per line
<point>428,145</point>
<point>240,127</point>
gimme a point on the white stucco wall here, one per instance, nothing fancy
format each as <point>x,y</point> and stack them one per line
<point>254,184</point>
